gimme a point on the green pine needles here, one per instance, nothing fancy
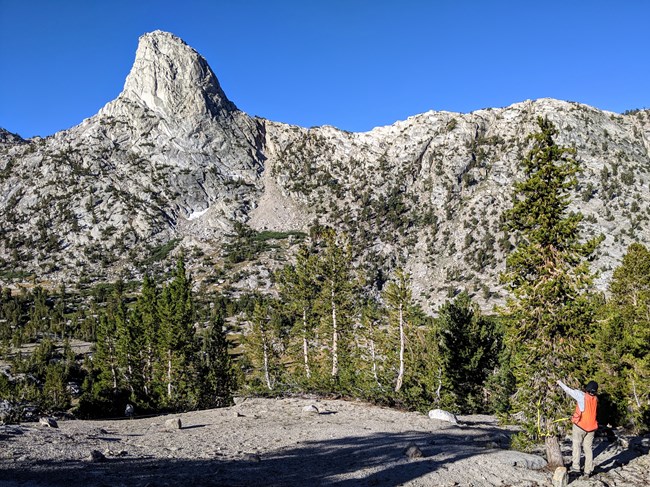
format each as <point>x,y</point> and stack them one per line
<point>550,311</point>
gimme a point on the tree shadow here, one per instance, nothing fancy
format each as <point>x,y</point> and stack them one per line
<point>376,459</point>
<point>634,449</point>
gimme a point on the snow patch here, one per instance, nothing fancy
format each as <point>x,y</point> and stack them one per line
<point>197,214</point>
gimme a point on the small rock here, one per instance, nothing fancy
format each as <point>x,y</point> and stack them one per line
<point>8,413</point>
<point>310,409</point>
<point>492,444</point>
<point>173,424</point>
<point>413,452</point>
<point>49,422</point>
<point>237,414</point>
<point>560,477</point>
<point>529,461</point>
<point>442,415</point>
<point>238,399</point>
<point>129,411</point>
<point>251,457</point>
<point>113,453</point>
<point>96,456</point>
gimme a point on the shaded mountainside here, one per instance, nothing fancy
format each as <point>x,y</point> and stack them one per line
<point>172,164</point>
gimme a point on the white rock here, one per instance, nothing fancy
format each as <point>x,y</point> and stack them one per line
<point>310,409</point>
<point>560,477</point>
<point>173,424</point>
<point>443,415</point>
<point>49,422</point>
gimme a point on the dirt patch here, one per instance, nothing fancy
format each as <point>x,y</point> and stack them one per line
<point>277,442</point>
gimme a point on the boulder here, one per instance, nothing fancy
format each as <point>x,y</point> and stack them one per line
<point>442,415</point>
<point>9,413</point>
<point>129,411</point>
<point>530,461</point>
<point>560,477</point>
<point>173,424</point>
<point>49,422</point>
<point>251,457</point>
<point>96,456</point>
<point>412,451</point>
<point>310,409</point>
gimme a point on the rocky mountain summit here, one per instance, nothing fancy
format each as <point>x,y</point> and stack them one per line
<point>172,163</point>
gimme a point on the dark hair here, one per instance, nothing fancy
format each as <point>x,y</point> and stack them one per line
<point>592,387</point>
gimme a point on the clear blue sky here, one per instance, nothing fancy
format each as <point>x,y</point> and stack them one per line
<point>351,64</point>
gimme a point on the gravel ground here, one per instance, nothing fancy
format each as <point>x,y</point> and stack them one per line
<point>274,442</point>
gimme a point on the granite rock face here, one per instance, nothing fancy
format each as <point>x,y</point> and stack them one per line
<point>172,161</point>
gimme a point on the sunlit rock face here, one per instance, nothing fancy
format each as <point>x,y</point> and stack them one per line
<point>172,80</point>
<point>171,159</point>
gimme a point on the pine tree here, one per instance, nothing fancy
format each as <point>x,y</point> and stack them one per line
<point>398,297</point>
<point>467,353</point>
<point>127,333</point>
<point>262,343</point>
<point>550,310</point>
<point>371,344</point>
<point>39,314</point>
<point>55,394</point>
<point>105,358</point>
<point>146,312</point>
<point>217,378</point>
<point>624,336</point>
<point>336,300</point>
<point>177,341</point>
<point>298,290</point>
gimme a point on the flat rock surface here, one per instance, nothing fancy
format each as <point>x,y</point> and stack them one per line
<point>274,442</point>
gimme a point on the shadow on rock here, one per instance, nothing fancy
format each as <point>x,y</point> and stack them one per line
<point>377,459</point>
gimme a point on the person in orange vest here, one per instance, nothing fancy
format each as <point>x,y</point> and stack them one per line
<point>584,424</point>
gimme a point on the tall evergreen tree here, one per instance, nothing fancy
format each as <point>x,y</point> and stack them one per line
<point>398,297</point>
<point>624,336</point>
<point>127,334</point>
<point>371,340</point>
<point>146,313</point>
<point>549,310</point>
<point>336,298</point>
<point>299,288</point>
<point>105,360</point>
<point>177,341</point>
<point>216,372</point>
<point>55,394</point>
<point>467,352</point>
<point>263,343</point>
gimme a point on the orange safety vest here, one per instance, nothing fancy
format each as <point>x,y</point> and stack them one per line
<point>586,419</point>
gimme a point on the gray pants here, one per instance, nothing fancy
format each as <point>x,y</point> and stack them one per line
<point>585,440</point>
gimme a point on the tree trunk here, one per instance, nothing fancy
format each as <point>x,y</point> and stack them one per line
<point>335,339</point>
<point>400,376</point>
<point>304,343</point>
<point>169,374</point>
<point>267,376</point>
<point>553,452</point>
<point>374,359</point>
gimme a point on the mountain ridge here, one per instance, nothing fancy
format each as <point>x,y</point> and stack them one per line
<point>172,159</point>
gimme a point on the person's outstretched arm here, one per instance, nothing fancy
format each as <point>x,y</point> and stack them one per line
<point>576,394</point>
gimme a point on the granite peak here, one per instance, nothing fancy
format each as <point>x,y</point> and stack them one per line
<point>172,80</point>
